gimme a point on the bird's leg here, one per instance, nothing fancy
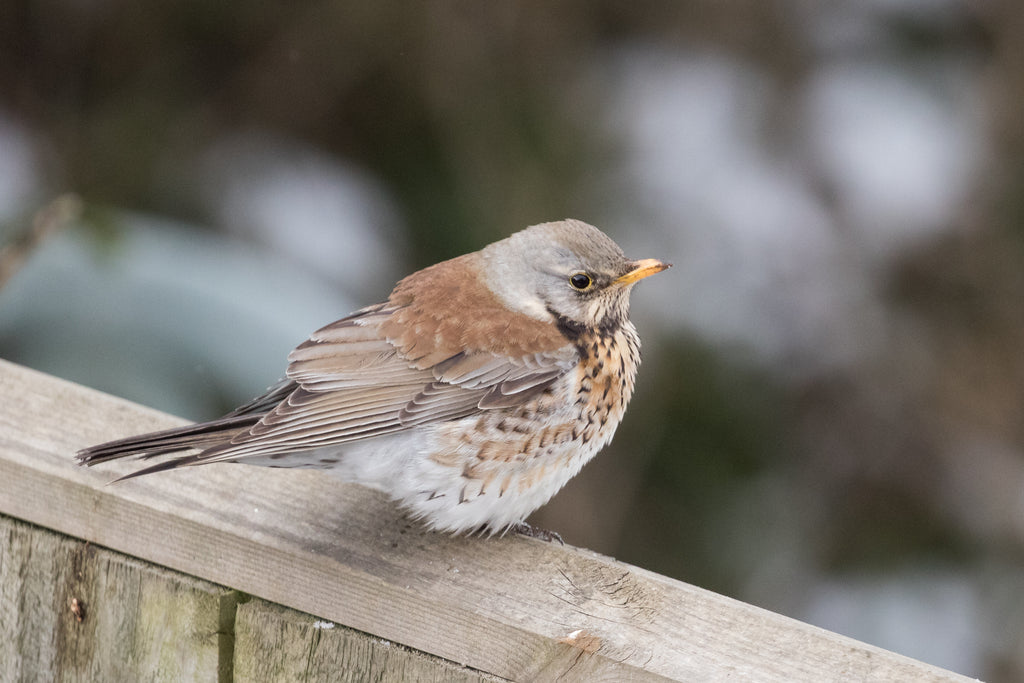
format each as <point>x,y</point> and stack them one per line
<point>524,529</point>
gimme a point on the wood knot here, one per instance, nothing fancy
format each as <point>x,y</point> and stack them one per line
<point>78,609</point>
<point>582,639</point>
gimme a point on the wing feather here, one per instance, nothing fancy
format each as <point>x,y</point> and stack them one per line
<point>349,381</point>
<point>433,352</point>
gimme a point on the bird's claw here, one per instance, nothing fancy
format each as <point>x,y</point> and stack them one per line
<point>524,529</point>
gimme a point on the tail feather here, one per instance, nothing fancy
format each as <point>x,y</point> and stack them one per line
<point>165,465</point>
<point>190,437</point>
<point>195,437</point>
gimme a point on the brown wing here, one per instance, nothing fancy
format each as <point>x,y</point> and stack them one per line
<point>437,350</point>
<point>433,352</point>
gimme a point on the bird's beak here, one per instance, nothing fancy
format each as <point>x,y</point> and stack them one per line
<point>641,269</point>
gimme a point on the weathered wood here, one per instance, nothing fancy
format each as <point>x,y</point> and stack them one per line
<point>70,611</point>
<point>513,607</point>
<point>274,643</point>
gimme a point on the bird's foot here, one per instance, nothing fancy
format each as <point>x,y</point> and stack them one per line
<point>524,529</point>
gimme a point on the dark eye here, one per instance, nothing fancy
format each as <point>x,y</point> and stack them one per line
<point>580,281</point>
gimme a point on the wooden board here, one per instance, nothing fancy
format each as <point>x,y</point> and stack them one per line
<point>516,608</point>
<point>274,643</point>
<point>70,611</point>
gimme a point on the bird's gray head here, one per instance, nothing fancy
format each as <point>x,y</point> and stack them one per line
<point>567,272</point>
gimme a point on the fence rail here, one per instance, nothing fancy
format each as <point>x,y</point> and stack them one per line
<point>341,579</point>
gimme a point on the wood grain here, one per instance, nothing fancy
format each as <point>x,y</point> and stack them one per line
<point>512,607</point>
<point>274,643</point>
<point>70,611</point>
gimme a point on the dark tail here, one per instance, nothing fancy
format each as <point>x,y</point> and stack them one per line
<point>190,437</point>
<point>196,437</point>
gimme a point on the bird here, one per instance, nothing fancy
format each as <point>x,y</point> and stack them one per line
<point>470,397</point>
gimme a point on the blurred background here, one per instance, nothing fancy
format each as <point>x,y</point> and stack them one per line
<point>830,418</point>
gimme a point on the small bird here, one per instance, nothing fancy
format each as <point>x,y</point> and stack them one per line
<point>471,396</point>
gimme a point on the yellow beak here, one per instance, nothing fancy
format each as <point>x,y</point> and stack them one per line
<point>641,269</point>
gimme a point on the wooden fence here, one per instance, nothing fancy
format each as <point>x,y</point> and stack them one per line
<point>241,573</point>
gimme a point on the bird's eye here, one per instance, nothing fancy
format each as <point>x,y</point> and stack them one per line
<point>580,281</point>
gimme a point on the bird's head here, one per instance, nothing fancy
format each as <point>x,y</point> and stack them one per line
<point>566,272</point>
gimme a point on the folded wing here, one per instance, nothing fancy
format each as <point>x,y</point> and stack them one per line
<point>351,382</point>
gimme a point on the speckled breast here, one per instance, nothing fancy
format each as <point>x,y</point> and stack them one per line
<point>547,440</point>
